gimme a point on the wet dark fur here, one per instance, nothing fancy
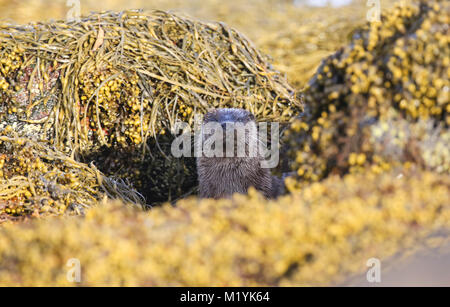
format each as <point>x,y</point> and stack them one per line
<point>220,177</point>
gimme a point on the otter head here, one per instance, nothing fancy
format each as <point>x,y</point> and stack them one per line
<point>229,133</point>
<point>230,161</point>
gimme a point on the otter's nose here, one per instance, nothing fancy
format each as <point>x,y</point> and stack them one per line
<point>226,124</point>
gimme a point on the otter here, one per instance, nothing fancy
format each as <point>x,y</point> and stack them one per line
<point>222,176</point>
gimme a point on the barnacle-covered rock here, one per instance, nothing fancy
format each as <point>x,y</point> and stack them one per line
<point>382,101</point>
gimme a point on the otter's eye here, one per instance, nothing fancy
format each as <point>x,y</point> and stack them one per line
<point>248,118</point>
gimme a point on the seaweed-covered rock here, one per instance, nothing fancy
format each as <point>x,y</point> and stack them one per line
<point>37,179</point>
<point>317,236</point>
<point>297,36</point>
<point>381,101</point>
<point>118,82</point>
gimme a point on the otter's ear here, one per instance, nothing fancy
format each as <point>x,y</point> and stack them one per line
<point>209,115</point>
<point>211,111</point>
<point>251,117</point>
